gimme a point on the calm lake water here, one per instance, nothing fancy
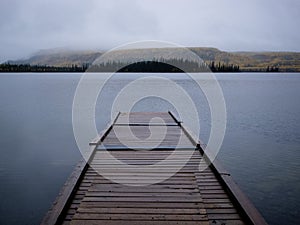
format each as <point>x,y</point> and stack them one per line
<point>38,151</point>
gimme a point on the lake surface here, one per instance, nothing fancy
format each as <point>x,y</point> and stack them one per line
<point>38,151</point>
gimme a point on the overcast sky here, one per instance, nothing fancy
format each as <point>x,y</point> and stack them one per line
<point>233,25</point>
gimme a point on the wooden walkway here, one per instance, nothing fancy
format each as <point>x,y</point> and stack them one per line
<point>122,195</point>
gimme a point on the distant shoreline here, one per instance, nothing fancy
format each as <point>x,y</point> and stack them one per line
<point>138,67</point>
<point>79,61</point>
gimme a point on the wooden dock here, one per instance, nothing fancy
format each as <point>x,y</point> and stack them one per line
<point>123,195</point>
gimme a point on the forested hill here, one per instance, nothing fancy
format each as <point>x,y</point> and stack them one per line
<point>247,61</point>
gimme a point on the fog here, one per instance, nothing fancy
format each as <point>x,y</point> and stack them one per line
<point>27,26</point>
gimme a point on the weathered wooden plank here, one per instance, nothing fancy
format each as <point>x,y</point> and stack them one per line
<point>222,211</point>
<point>217,205</point>
<point>215,196</point>
<point>149,160</point>
<point>137,222</point>
<point>211,183</point>
<point>225,216</point>
<point>183,176</point>
<point>144,170</point>
<point>151,154</point>
<point>226,222</point>
<point>189,196</point>
<point>145,124</point>
<point>209,200</point>
<point>149,199</point>
<point>204,192</point>
<point>121,179</point>
<point>176,211</point>
<point>143,217</point>
<point>171,136</point>
<point>71,211</point>
<point>203,180</point>
<point>74,206</point>
<point>126,174</point>
<point>155,151</point>
<point>143,194</point>
<point>78,196</point>
<point>158,186</point>
<point>141,181</point>
<point>205,176</point>
<point>145,190</point>
<point>68,217</point>
<point>148,205</point>
<point>211,187</point>
<point>138,118</point>
<point>137,163</point>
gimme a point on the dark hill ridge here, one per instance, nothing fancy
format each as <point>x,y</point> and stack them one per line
<point>248,61</point>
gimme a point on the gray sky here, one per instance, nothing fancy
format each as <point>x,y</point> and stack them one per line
<point>234,25</point>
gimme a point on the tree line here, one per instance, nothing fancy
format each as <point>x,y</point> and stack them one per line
<point>156,65</point>
<point>222,67</point>
<point>272,69</point>
<point>7,67</point>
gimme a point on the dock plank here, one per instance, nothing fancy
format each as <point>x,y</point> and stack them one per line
<point>107,194</point>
